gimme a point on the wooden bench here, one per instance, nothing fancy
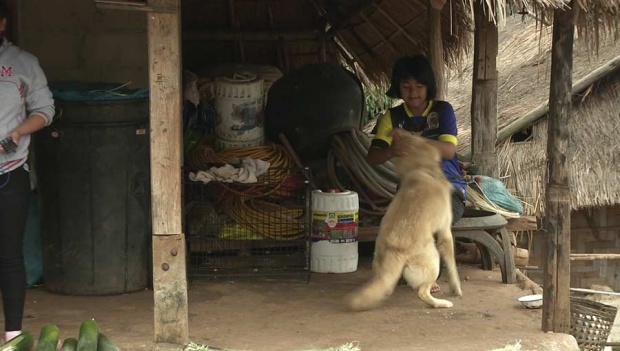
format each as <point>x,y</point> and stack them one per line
<point>480,227</point>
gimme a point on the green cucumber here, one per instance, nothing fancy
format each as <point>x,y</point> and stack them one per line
<point>22,342</point>
<point>69,345</point>
<point>89,333</point>
<point>105,344</point>
<point>48,339</point>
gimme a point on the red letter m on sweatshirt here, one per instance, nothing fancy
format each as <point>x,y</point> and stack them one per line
<point>6,71</point>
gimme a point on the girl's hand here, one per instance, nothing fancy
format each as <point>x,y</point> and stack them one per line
<point>15,136</point>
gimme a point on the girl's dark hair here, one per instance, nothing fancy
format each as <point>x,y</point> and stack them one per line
<point>417,67</point>
<point>4,9</point>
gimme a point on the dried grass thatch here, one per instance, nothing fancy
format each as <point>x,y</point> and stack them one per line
<point>524,69</point>
<point>377,33</point>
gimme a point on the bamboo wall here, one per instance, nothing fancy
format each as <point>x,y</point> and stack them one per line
<point>586,240</point>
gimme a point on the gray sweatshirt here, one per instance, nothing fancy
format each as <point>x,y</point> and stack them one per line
<point>23,93</point>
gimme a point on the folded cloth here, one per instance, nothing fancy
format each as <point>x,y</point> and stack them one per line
<point>250,170</point>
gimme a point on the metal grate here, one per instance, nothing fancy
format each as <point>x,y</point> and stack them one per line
<point>257,229</point>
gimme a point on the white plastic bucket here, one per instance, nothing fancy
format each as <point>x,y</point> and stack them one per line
<point>334,247</point>
<point>239,106</point>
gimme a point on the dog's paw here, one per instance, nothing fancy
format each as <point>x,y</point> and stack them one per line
<point>443,304</point>
<point>456,291</point>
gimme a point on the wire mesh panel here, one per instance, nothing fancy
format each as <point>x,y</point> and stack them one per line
<point>251,229</point>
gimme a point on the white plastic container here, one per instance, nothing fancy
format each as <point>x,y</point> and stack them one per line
<point>334,247</point>
<point>239,106</point>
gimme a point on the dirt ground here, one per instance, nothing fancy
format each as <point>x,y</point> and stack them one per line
<point>244,314</point>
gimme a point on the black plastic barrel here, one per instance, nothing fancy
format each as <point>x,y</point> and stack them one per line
<point>311,104</point>
<point>92,167</point>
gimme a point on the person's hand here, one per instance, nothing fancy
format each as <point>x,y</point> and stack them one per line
<point>399,149</point>
<point>15,136</point>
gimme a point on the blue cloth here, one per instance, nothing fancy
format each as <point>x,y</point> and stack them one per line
<point>496,191</point>
<point>85,91</point>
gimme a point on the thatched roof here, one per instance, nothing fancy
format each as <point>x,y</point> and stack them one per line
<point>289,34</point>
<point>524,68</point>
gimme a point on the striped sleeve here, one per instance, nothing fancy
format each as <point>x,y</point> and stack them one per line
<point>447,124</point>
<point>381,139</point>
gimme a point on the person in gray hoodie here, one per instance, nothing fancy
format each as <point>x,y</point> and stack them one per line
<point>26,105</point>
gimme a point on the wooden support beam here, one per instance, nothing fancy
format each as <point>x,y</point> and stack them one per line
<point>484,93</point>
<point>376,30</point>
<point>344,46</point>
<point>557,221</point>
<point>436,47</point>
<point>234,35</point>
<point>132,6</point>
<point>400,29</point>
<point>169,271</point>
<point>592,257</point>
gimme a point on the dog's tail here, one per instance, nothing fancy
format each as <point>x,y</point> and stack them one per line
<point>387,269</point>
<point>445,246</point>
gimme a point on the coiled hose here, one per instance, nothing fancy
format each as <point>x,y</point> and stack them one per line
<point>247,204</point>
<point>376,186</point>
<point>266,219</point>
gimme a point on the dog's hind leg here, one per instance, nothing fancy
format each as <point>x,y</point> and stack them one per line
<point>422,279</point>
<point>387,269</point>
<point>424,293</point>
<point>445,246</point>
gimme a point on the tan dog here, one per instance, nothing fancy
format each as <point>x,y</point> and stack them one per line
<point>406,244</point>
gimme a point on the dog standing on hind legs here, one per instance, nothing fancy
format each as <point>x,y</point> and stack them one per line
<point>405,245</point>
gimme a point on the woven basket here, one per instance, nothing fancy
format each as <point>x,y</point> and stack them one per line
<point>591,323</point>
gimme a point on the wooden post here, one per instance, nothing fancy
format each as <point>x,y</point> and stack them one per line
<point>169,271</point>
<point>557,221</point>
<point>484,93</point>
<point>436,47</point>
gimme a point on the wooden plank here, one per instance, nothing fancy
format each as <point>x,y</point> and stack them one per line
<point>132,6</point>
<point>233,35</point>
<point>557,222</point>
<point>436,48</point>
<point>169,275</point>
<point>592,257</point>
<point>436,52</point>
<point>170,289</point>
<point>525,223</point>
<point>591,291</point>
<point>484,94</point>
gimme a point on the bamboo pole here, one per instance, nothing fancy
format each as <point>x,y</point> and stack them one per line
<point>436,47</point>
<point>557,221</point>
<point>543,109</point>
<point>592,257</point>
<point>484,93</point>
<point>169,270</point>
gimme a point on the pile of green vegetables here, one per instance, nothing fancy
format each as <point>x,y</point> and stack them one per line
<point>89,339</point>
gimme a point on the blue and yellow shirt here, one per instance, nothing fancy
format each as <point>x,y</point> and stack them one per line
<point>438,122</point>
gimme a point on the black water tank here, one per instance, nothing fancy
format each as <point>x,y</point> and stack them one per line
<point>92,167</point>
<point>312,103</point>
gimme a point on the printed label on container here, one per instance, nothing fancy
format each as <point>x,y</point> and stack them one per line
<point>337,227</point>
